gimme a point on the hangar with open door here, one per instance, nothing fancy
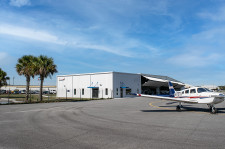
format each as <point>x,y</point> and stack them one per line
<point>158,85</point>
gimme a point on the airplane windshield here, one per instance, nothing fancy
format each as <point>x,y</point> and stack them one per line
<point>208,90</point>
<point>200,90</point>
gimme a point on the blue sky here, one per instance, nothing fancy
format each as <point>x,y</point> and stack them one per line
<point>183,39</point>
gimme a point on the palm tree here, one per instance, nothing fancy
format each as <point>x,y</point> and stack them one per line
<point>44,67</point>
<point>3,79</point>
<point>25,66</point>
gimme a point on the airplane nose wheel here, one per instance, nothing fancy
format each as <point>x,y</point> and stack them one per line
<point>212,109</point>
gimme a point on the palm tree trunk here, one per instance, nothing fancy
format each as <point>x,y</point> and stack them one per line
<point>41,86</point>
<point>27,87</point>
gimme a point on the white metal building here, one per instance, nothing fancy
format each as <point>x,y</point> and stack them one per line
<point>98,85</point>
<point>112,85</point>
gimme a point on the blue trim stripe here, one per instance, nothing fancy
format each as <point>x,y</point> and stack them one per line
<point>124,87</point>
<point>92,87</point>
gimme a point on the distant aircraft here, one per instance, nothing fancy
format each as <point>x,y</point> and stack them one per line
<point>194,95</point>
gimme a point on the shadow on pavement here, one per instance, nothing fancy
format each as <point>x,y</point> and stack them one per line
<point>158,110</point>
<point>169,103</point>
<point>174,106</point>
<point>186,109</point>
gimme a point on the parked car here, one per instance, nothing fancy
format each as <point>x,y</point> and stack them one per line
<point>32,92</point>
<point>36,92</point>
<point>3,91</point>
<point>45,92</point>
<point>23,91</point>
<point>52,91</point>
<point>8,91</point>
<point>16,91</point>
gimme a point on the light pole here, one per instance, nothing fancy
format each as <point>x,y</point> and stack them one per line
<point>8,78</point>
<point>48,94</point>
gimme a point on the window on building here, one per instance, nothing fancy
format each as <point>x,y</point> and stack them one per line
<point>193,91</point>
<point>106,91</point>
<point>75,91</point>
<point>117,90</point>
<point>82,91</point>
<point>186,91</point>
<point>128,91</point>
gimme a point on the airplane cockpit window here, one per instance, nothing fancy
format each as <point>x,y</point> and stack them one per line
<point>200,90</point>
<point>208,90</point>
<point>193,91</point>
<point>186,91</point>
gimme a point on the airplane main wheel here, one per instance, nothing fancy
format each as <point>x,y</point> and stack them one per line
<point>213,110</point>
<point>178,108</point>
<point>210,108</point>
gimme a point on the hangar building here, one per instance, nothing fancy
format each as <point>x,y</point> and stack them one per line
<point>112,85</point>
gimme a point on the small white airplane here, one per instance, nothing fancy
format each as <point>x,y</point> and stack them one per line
<point>194,95</point>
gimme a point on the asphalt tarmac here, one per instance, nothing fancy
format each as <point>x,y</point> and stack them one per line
<point>131,123</point>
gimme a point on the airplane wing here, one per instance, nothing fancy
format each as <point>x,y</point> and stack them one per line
<point>177,99</point>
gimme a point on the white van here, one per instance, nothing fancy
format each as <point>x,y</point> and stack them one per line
<point>52,91</point>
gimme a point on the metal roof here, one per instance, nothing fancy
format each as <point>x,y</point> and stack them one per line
<point>161,77</point>
<point>158,81</point>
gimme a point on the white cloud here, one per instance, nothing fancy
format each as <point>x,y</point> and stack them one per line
<point>30,34</point>
<point>5,60</point>
<point>3,55</point>
<point>105,48</point>
<point>124,47</point>
<point>216,34</point>
<point>44,36</point>
<point>89,65</point>
<point>194,59</point>
<point>116,44</point>
<point>219,15</point>
<point>19,3</point>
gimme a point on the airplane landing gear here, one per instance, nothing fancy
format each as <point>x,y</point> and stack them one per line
<point>178,108</point>
<point>212,109</point>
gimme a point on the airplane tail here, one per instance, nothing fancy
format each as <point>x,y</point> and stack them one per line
<point>171,89</point>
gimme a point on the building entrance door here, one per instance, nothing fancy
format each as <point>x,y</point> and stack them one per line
<point>95,93</point>
<point>121,92</point>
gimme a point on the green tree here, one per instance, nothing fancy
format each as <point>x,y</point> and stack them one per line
<point>222,87</point>
<point>44,67</point>
<point>3,79</point>
<point>25,66</point>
